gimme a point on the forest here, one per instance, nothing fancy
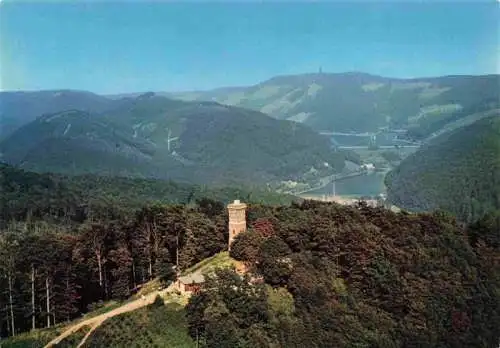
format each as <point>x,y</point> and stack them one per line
<point>54,273</point>
<point>320,274</point>
<point>458,172</point>
<point>69,242</point>
<point>61,198</point>
<point>336,276</point>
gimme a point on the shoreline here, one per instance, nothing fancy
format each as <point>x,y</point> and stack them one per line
<point>348,200</point>
<point>344,200</point>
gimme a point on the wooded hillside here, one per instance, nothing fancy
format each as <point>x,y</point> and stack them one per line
<point>151,136</point>
<point>457,172</point>
<point>333,275</point>
<point>355,277</point>
<point>89,238</point>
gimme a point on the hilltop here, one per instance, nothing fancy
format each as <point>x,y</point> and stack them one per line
<point>354,277</point>
<point>458,171</point>
<point>331,275</point>
<point>20,108</point>
<point>151,136</point>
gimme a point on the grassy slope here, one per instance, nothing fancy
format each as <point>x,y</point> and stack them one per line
<point>221,259</point>
<point>151,326</point>
<point>33,339</point>
<point>74,339</point>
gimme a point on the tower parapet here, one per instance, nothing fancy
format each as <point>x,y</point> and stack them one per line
<point>237,219</point>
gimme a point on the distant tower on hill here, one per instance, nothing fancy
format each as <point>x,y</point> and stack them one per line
<point>237,219</point>
<point>320,70</point>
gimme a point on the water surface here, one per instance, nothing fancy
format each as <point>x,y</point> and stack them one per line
<point>365,185</point>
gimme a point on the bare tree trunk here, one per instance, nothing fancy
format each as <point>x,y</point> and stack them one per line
<point>67,291</point>
<point>151,249</point>
<point>133,274</point>
<point>11,302</point>
<point>33,310</point>
<point>177,253</point>
<point>99,266</point>
<point>89,213</point>
<point>106,286</point>
<point>28,219</point>
<point>150,266</point>
<point>48,300</point>
<point>8,321</point>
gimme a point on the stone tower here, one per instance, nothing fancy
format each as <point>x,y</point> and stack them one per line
<point>237,219</point>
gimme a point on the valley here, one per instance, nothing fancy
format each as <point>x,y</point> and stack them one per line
<point>197,138</point>
<point>226,136</point>
<point>383,150</point>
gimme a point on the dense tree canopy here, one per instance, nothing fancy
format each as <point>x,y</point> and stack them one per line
<point>320,274</point>
<point>26,195</point>
<point>357,277</point>
<point>67,242</point>
<point>457,172</point>
<point>52,272</point>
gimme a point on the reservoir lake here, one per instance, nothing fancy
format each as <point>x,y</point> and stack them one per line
<point>370,184</point>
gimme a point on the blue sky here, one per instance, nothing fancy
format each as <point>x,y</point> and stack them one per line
<point>110,47</point>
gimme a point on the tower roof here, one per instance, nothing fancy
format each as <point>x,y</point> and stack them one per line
<point>236,204</point>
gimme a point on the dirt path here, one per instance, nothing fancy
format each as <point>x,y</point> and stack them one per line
<point>96,321</point>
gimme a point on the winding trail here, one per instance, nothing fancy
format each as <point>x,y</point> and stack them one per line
<point>96,321</point>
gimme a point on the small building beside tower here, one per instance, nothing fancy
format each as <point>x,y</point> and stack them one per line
<point>193,283</point>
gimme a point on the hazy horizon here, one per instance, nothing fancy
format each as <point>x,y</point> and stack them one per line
<point>118,48</point>
<point>227,87</point>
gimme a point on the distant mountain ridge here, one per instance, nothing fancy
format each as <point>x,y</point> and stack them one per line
<point>157,137</point>
<point>225,135</point>
<point>363,102</point>
<point>352,101</point>
<point>20,108</point>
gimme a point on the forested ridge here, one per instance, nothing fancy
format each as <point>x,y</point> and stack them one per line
<point>151,136</point>
<point>457,172</point>
<point>70,198</point>
<point>325,101</point>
